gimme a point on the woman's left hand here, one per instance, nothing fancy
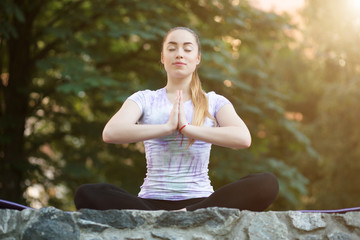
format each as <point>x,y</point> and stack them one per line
<point>182,116</point>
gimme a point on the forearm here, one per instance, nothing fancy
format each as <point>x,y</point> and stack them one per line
<point>129,133</point>
<point>231,137</point>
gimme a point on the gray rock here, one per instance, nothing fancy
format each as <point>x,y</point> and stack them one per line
<point>211,217</point>
<point>339,236</point>
<point>267,226</point>
<point>92,226</point>
<point>134,238</point>
<point>114,218</point>
<point>197,237</point>
<point>312,237</point>
<point>8,221</point>
<point>352,219</point>
<point>307,221</point>
<point>52,224</point>
<point>165,236</point>
<point>203,224</point>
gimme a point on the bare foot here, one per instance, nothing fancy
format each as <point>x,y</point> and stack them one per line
<point>180,210</point>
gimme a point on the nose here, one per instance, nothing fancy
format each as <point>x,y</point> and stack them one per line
<point>179,53</point>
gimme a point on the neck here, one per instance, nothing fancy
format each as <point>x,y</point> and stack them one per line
<point>179,84</point>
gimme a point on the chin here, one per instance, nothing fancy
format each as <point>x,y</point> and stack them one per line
<point>181,75</point>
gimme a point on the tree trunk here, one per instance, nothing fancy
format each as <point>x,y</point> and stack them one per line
<point>14,163</point>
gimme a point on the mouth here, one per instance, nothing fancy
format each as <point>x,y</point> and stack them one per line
<point>179,64</point>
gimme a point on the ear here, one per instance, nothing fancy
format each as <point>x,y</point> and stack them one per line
<point>198,59</point>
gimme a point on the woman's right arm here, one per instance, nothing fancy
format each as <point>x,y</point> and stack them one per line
<point>122,127</point>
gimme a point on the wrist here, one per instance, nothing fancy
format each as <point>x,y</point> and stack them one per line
<point>169,129</point>
<point>182,127</point>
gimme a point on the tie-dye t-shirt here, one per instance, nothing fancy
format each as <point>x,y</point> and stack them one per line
<point>174,172</point>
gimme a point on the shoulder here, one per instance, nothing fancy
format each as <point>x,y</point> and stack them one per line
<point>214,97</point>
<point>212,94</point>
<point>146,94</point>
<point>145,98</point>
<point>216,101</point>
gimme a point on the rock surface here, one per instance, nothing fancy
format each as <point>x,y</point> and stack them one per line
<point>204,224</point>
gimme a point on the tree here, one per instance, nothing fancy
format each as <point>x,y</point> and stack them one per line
<point>68,65</point>
<point>336,55</point>
<point>322,76</point>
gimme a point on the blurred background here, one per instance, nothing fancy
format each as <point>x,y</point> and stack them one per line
<point>291,69</point>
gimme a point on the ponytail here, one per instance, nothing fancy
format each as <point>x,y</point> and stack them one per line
<point>200,103</point>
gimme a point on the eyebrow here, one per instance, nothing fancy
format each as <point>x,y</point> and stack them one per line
<point>185,43</point>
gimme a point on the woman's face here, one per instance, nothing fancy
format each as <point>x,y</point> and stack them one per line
<point>180,54</point>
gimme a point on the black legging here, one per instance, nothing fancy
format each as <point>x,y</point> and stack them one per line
<point>254,192</point>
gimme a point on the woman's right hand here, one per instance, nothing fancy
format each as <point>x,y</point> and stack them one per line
<point>173,121</point>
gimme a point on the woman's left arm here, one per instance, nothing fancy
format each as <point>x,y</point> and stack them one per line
<point>232,131</point>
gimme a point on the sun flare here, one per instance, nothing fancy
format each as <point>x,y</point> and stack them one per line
<point>354,5</point>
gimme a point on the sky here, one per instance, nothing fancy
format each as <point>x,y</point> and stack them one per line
<point>279,6</point>
<point>291,7</point>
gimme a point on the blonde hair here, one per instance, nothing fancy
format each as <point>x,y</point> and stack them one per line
<point>198,96</point>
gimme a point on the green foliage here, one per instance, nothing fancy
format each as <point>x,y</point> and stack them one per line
<point>322,77</point>
<point>87,57</point>
<point>9,10</point>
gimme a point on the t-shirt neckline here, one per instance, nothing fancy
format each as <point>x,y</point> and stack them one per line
<point>167,99</point>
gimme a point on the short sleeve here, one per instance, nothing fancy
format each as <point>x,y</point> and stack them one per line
<point>220,102</point>
<point>216,102</point>
<point>140,99</point>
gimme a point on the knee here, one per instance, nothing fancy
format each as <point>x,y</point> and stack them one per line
<point>271,179</point>
<point>82,196</point>
<point>82,190</point>
<point>271,184</point>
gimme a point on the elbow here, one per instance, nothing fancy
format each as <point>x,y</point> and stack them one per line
<point>243,142</point>
<point>247,143</point>
<point>247,140</point>
<point>107,136</point>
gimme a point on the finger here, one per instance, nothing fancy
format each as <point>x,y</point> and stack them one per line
<point>180,99</point>
<point>176,109</point>
<point>182,117</point>
<point>180,95</point>
<point>180,102</point>
<point>176,105</point>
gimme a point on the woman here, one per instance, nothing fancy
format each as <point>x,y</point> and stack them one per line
<point>178,124</point>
